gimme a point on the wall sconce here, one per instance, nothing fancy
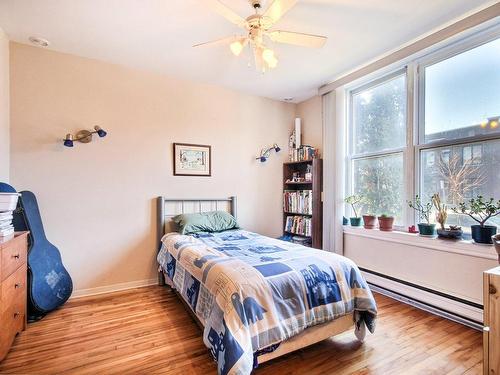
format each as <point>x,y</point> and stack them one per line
<point>265,153</point>
<point>83,136</point>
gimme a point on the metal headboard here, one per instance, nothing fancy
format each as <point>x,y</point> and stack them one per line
<point>168,208</point>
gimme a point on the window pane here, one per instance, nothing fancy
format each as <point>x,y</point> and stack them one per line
<point>379,117</point>
<point>380,180</point>
<point>467,170</point>
<point>462,98</point>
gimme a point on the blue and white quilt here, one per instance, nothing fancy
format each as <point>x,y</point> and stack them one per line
<point>252,292</point>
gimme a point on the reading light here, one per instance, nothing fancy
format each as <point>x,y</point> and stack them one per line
<point>84,136</point>
<point>68,141</point>
<point>265,153</point>
<point>101,133</point>
<point>236,47</point>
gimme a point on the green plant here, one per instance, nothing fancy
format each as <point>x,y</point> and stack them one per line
<point>424,210</point>
<point>478,209</point>
<point>354,201</point>
<point>442,210</point>
<point>385,216</point>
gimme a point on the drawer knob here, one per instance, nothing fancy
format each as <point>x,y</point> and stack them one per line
<point>18,285</point>
<point>16,314</point>
<point>16,256</point>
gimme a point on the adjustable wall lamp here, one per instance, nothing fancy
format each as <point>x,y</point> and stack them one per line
<point>83,136</point>
<point>265,153</point>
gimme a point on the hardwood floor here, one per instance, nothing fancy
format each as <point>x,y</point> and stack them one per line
<point>147,330</point>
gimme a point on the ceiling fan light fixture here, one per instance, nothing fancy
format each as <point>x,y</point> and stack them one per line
<point>236,47</point>
<point>268,55</point>
<point>273,63</point>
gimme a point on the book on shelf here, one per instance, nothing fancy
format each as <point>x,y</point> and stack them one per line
<point>302,153</point>
<point>298,225</point>
<point>298,201</point>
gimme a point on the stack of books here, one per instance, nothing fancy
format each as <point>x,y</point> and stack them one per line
<point>8,202</point>
<point>303,153</point>
<point>298,201</point>
<point>298,225</point>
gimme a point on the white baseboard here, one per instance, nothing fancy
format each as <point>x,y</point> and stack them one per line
<point>446,304</point>
<point>112,288</point>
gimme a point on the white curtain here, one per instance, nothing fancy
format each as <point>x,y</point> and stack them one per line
<point>333,170</point>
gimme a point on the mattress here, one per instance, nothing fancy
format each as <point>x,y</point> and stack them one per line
<point>253,292</point>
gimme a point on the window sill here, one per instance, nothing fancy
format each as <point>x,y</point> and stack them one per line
<point>468,248</point>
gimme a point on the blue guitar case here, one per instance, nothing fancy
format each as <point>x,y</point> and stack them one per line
<point>49,283</point>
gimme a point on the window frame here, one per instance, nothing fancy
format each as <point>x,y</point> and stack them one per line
<point>414,70</point>
<point>352,157</point>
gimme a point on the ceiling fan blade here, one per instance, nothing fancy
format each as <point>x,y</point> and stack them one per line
<point>299,39</point>
<point>225,12</point>
<point>228,39</point>
<point>278,8</point>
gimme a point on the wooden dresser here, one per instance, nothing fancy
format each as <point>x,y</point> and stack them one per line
<point>491,338</point>
<point>13,274</point>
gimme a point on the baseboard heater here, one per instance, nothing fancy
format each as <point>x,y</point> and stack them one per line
<point>438,303</point>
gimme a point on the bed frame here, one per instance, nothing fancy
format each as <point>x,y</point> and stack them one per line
<point>168,208</point>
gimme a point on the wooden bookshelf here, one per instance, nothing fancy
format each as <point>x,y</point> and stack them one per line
<point>316,188</point>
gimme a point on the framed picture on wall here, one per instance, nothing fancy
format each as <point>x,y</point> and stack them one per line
<point>192,160</point>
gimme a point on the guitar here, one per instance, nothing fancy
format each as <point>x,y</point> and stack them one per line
<point>49,283</point>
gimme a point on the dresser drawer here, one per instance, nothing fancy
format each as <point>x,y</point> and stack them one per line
<point>14,288</point>
<point>12,321</point>
<point>13,256</point>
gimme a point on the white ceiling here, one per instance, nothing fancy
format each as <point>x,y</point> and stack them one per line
<point>157,35</point>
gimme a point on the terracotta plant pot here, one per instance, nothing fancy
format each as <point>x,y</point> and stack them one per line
<point>369,221</point>
<point>385,223</point>
<point>355,221</point>
<point>427,229</point>
<point>483,234</point>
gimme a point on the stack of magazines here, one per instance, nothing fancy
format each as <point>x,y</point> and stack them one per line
<point>298,225</point>
<point>298,201</point>
<point>8,202</point>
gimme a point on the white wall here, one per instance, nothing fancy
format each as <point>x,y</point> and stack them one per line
<point>312,127</point>
<point>97,199</point>
<point>4,108</point>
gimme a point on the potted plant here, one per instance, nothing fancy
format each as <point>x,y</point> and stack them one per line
<point>453,232</point>
<point>481,211</point>
<point>385,222</point>
<point>424,213</point>
<point>354,201</point>
<point>369,219</point>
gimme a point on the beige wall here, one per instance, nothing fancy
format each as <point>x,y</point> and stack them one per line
<point>97,199</point>
<point>312,127</point>
<point>4,107</point>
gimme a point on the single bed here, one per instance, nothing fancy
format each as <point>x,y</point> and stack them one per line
<point>257,298</point>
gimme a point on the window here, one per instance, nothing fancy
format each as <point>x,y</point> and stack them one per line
<point>462,94</point>
<point>378,140</point>
<point>456,148</point>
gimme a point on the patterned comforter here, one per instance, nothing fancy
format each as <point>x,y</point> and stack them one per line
<point>252,292</point>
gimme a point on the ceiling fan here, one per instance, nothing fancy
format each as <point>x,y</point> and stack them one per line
<point>259,32</point>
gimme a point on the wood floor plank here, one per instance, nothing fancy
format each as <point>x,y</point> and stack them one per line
<point>147,330</point>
